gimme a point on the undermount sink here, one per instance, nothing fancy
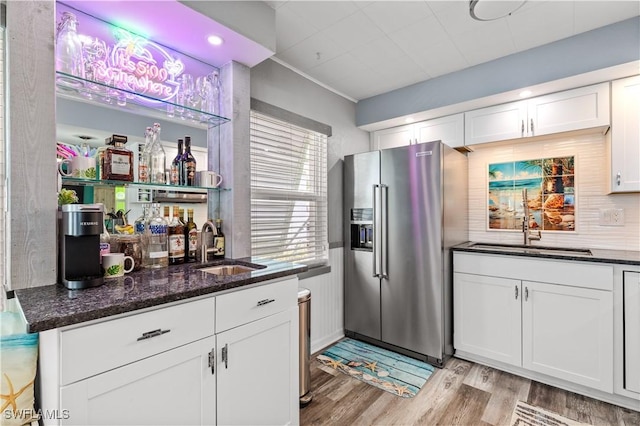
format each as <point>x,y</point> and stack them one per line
<point>533,249</point>
<point>227,269</point>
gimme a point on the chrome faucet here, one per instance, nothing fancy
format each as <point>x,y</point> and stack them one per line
<point>526,230</point>
<point>204,253</point>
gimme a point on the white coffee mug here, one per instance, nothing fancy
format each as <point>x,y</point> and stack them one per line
<point>113,264</point>
<point>79,167</point>
<point>208,179</point>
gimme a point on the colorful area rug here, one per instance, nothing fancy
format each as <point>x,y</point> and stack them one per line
<point>389,371</point>
<point>528,415</point>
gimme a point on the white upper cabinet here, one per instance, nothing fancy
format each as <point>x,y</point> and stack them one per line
<point>496,123</point>
<point>449,130</point>
<point>393,137</point>
<point>625,135</point>
<point>582,108</point>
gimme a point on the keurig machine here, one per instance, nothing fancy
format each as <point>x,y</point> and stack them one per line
<point>79,229</point>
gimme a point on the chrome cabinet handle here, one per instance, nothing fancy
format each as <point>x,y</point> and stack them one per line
<point>212,360</point>
<point>619,178</point>
<point>526,293</point>
<point>522,129</point>
<point>265,302</point>
<point>532,127</point>
<point>150,334</point>
<point>225,356</point>
<point>516,292</point>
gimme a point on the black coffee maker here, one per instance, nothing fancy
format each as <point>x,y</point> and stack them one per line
<point>79,229</point>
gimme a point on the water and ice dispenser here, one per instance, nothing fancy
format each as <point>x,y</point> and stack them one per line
<point>362,229</point>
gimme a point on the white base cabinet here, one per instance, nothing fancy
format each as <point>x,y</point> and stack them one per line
<point>229,359</point>
<point>255,377</point>
<point>176,387</point>
<point>560,325</point>
<point>567,333</point>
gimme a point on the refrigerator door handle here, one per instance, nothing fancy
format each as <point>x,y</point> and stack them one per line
<point>376,232</point>
<point>384,237</point>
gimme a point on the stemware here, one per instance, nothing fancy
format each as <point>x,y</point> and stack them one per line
<point>95,55</point>
<point>184,95</point>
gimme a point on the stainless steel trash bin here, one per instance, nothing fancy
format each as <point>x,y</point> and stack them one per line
<point>304,335</point>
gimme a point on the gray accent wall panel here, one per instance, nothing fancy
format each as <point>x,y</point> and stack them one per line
<point>604,47</point>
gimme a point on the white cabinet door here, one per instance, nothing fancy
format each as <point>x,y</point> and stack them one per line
<point>171,388</point>
<point>625,135</point>
<point>391,138</point>
<point>257,372</point>
<point>487,317</point>
<point>632,331</point>
<point>576,109</point>
<point>500,122</point>
<point>449,130</point>
<point>567,333</point>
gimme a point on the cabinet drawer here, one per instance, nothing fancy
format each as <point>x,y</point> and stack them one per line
<point>244,306</point>
<point>86,351</point>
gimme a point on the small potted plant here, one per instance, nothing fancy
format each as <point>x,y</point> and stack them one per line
<point>67,196</point>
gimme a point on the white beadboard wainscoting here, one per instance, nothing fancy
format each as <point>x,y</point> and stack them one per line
<point>591,188</point>
<point>327,303</point>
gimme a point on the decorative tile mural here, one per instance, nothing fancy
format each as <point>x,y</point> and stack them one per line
<point>550,194</point>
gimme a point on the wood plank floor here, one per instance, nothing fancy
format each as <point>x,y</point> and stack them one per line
<point>462,393</point>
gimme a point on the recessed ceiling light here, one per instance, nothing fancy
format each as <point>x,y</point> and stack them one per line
<point>525,93</point>
<point>489,10</point>
<point>215,40</point>
<point>408,120</point>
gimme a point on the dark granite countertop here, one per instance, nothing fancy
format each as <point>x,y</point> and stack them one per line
<point>625,257</point>
<point>54,306</point>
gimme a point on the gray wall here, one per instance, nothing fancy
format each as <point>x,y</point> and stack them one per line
<point>277,85</point>
<point>604,47</point>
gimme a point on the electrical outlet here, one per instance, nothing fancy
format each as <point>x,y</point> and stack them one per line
<point>611,217</point>
<point>617,217</point>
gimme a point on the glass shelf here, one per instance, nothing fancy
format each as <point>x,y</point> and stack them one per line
<point>161,187</point>
<point>95,92</point>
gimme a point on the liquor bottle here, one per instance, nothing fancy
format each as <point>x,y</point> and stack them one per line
<point>157,158</point>
<point>141,221</point>
<point>157,255</point>
<point>117,161</point>
<point>105,239</point>
<point>218,241</point>
<point>176,239</point>
<point>188,164</point>
<point>191,234</point>
<point>166,214</point>
<point>175,174</point>
<point>181,217</point>
<point>143,157</point>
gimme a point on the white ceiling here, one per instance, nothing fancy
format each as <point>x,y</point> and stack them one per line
<point>364,48</point>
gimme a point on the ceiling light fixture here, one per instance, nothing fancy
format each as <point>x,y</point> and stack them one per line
<point>490,10</point>
<point>215,40</point>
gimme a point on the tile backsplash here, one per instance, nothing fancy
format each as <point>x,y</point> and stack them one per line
<point>591,188</point>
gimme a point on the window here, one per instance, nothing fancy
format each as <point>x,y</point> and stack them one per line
<point>288,191</point>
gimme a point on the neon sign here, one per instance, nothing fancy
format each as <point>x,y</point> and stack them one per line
<point>118,58</point>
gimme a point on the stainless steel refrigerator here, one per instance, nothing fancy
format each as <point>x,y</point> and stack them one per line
<point>403,210</point>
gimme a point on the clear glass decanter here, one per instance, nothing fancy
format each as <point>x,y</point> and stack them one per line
<point>69,56</point>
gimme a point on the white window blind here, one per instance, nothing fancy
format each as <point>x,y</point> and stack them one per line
<point>288,191</point>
